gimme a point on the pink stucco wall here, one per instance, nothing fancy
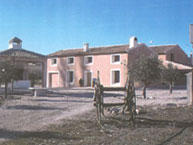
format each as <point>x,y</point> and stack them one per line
<point>101,63</point>
<point>162,57</point>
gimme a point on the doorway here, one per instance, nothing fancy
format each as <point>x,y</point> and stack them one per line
<point>53,80</point>
<point>87,78</point>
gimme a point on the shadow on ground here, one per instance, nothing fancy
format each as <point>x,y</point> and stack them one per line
<point>147,122</point>
<point>142,122</point>
<point>10,134</point>
<point>65,101</point>
<point>81,95</point>
<point>29,107</point>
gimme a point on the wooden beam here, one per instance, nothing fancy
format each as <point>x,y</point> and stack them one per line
<point>114,89</point>
<point>113,104</point>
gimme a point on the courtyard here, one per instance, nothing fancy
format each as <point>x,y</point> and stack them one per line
<point>69,117</point>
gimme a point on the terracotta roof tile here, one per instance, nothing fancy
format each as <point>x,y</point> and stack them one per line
<point>110,50</point>
<point>162,49</point>
<point>92,51</point>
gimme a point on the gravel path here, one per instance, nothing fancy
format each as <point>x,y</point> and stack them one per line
<point>159,98</point>
<point>27,113</point>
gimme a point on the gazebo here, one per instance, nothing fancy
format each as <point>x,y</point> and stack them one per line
<point>27,60</point>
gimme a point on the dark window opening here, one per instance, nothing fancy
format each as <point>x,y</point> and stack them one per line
<point>54,61</point>
<point>88,60</point>
<point>115,58</point>
<point>70,60</point>
<point>70,76</point>
<point>171,57</point>
<point>116,77</point>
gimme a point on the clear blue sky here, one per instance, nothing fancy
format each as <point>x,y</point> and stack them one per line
<point>46,26</point>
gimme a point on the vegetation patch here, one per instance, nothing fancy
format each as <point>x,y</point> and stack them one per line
<point>172,126</point>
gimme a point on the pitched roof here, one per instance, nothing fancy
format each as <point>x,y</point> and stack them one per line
<point>162,49</point>
<point>15,39</point>
<point>20,53</point>
<point>92,51</point>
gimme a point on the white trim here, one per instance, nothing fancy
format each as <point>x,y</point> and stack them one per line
<point>56,61</point>
<point>48,77</point>
<point>112,55</point>
<point>69,83</point>
<point>87,57</point>
<point>70,63</point>
<point>115,84</point>
<point>85,78</point>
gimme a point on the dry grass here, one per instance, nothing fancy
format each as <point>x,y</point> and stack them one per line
<point>170,126</point>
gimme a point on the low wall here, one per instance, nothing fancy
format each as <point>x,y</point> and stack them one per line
<point>21,84</point>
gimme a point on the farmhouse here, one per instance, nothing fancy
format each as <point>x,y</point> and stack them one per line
<point>27,61</point>
<point>76,67</point>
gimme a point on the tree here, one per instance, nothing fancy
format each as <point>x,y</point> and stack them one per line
<point>18,75</point>
<point>145,70</point>
<point>7,73</point>
<point>170,75</point>
<point>34,76</point>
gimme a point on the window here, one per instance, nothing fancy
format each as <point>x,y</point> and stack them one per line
<point>53,61</point>
<point>70,60</point>
<point>88,60</point>
<point>115,58</point>
<point>70,76</point>
<point>171,57</point>
<point>115,77</point>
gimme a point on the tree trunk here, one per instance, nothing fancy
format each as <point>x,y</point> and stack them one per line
<point>171,88</point>
<point>6,90</point>
<point>144,92</point>
<point>12,86</point>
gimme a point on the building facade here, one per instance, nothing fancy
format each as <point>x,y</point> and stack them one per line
<point>27,61</point>
<point>76,67</point>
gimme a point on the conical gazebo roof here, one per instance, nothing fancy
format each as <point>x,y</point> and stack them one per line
<point>16,40</point>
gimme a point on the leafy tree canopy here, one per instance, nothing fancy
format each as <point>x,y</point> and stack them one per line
<point>170,75</point>
<point>145,70</point>
<point>7,72</point>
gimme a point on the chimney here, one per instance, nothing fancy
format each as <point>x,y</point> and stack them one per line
<point>86,47</point>
<point>133,42</point>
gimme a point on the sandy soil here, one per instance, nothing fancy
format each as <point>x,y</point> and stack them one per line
<point>27,113</point>
<point>155,98</point>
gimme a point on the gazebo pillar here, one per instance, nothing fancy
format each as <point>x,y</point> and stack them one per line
<point>26,73</point>
<point>44,74</point>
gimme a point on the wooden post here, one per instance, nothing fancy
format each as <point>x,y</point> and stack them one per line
<point>129,98</point>
<point>44,74</point>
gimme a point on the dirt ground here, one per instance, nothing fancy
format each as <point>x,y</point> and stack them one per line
<point>27,113</point>
<point>68,117</point>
